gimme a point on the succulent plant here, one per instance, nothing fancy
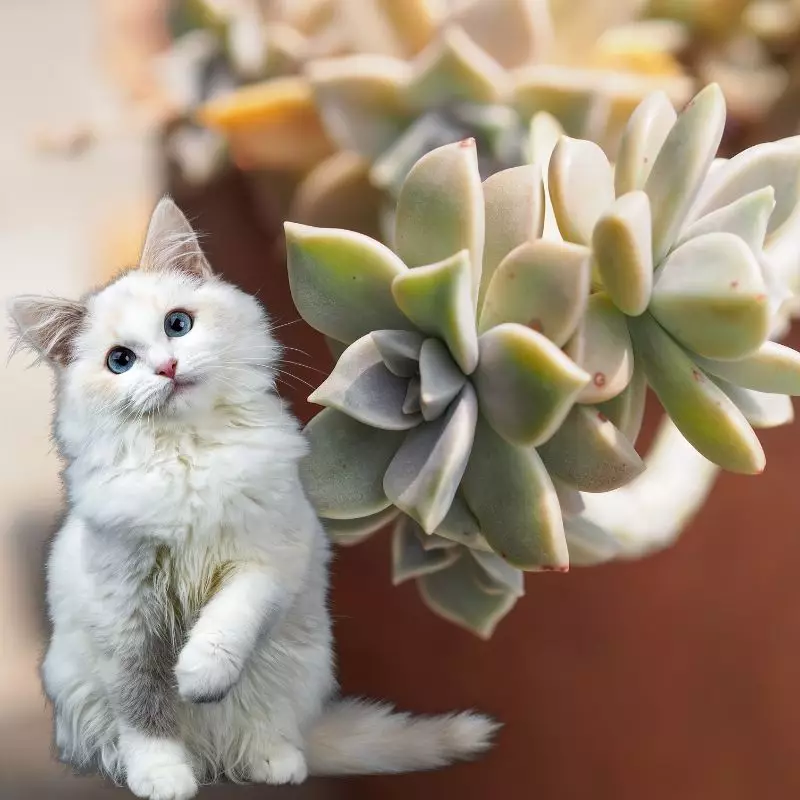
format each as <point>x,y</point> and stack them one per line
<point>491,382</point>
<point>483,76</point>
<point>686,254</point>
<point>439,402</point>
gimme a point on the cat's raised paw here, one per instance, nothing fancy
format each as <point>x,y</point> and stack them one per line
<point>163,782</point>
<point>205,671</point>
<point>283,763</point>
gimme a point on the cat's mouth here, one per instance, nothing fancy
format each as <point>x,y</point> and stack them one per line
<point>181,386</point>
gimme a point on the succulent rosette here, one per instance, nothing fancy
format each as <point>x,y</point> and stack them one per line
<point>453,401</point>
<point>687,254</point>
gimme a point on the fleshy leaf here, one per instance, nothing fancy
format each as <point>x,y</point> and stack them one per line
<point>432,129</point>
<point>424,475</point>
<point>461,527</point>
<point>410,559</point>
<point>361,387</point>
<point>516,32</point>
<point>589,453</point>
<point>272,124</point>
<point>747,217</point>
<point>440,209</point>
<point>775,164</point>
<point>642,138</point>
<point>602,347</point>
<point>710,295</point>
<point>440,379</point>
<point>569,498</point>
<point>399,350</point>
<point>341,282</point>
<point>438,299</point>
<point>343,474</point>
<point>514,201</point>
<point>623,252</point>
<point>337,193</point>
<point>509,491</point>
<point>544,133</point>
<point>773,368</point>
<point>456,595</point>
<point>581,185</point>
<point>526,385</point>
<point>626,410</point>
<point>412,403</point>
<point>541,284</point>
<point>700,410</point>
<point>760,409</point>
<point>346,532</point>
<point>682,164</point>
<point>453,68</point>
<point>502,577</point>
<point>568,94</point>
<point>362,100</point>
<point>430,541</point>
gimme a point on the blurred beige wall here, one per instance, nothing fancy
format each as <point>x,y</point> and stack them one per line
<point>58,218</point>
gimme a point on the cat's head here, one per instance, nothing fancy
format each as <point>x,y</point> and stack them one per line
<point>167,338</point>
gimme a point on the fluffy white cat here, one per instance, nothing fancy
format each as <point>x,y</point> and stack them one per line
<point>187,587</point>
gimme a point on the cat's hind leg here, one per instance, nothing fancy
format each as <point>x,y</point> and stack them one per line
<point>85,725</point>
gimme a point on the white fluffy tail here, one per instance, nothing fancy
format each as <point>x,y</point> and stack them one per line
<point>357,737</point>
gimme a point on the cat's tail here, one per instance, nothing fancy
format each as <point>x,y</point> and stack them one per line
<point>359,737</point>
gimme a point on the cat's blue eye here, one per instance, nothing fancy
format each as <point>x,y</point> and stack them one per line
<point>120,359</point>
<point>177,323</point>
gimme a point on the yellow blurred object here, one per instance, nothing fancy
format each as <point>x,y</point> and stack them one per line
<point>641,61</point>
<point>270,124</point>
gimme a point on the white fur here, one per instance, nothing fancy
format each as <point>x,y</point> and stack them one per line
<point>208,479</point>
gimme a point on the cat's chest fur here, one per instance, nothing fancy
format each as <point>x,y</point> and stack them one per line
<point>174,487</point>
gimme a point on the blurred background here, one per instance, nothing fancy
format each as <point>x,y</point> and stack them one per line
<point>674,676</point>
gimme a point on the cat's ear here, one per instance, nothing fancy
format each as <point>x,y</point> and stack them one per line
<point>47,325</point>
<point>171,243</point>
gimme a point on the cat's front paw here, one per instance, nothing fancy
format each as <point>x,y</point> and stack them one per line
<point>166,782</point>
<point>206,671</point>
<point>281,763</point>
<point>158,769</point>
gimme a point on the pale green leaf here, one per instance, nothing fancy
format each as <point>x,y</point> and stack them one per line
<point>425,473</point>
<point>542,284</point>
<point>509,491</point>
<point>343,473</point>
<point>589,453</point>
<point>526,385</point>
<point>701,411</point>
<point>710,295</point>
<point>437,298</point>
<point>682,164</point>
<point>440,209</point>
<point>623,252</point>
<point>363,388</point>
<point>341,282</point>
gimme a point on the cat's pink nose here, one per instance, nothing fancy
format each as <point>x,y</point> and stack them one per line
<point>168,368</point>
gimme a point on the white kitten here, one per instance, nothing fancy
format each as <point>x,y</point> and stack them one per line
<point>187,587</point>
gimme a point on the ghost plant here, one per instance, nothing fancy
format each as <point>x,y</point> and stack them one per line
<point>475,69</point>
<point>491,382</point>
<point>686,283</point>
<point>435,411</point>
<point>483,76</point>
